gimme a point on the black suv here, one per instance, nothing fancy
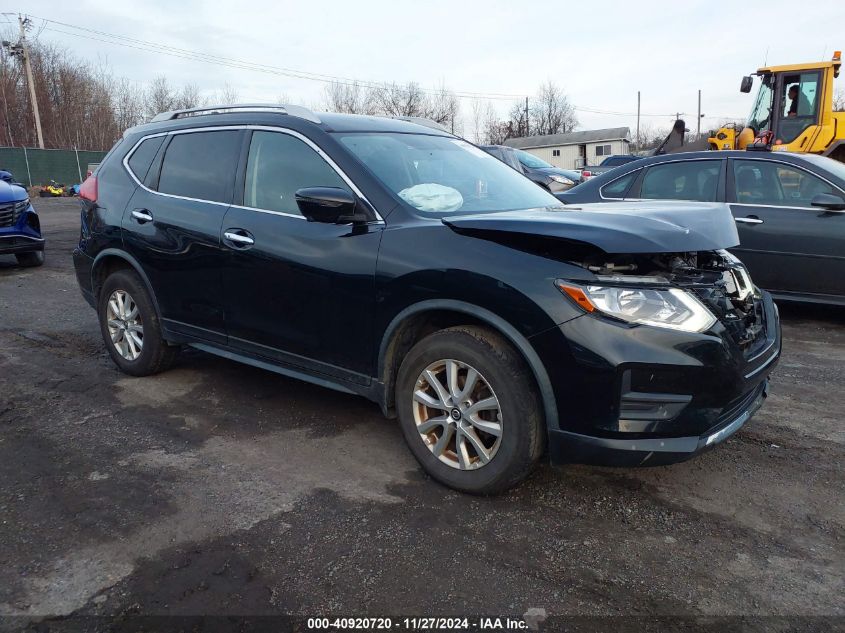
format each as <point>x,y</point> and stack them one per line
<point>392,260</point>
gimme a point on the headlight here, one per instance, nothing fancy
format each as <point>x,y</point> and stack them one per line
<point>561,179</point>
<point>670,308</point>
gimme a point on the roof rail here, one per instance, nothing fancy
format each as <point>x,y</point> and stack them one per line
<point>434,125</point>
<point>292,110</point>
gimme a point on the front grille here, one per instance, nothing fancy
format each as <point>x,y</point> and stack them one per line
<point>11,212</point>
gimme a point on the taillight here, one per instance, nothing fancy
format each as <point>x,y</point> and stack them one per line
<point>586,174</point>
<point>88,190</point>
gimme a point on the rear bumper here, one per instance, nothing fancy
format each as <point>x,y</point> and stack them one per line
<point>82,265</point>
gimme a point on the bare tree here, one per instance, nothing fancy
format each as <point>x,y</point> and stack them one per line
<point>839,100</point>
<point>160,97</point>
<point>442,106</point>
<point>496,131</point>
<point>128,104</point>
<point>651,136</point>
<point>228,94</point>
<point>551,112</point>
<point>349,98</point>
<point>519,120</point>
<point>393,99</point>
<point>478,113</point>
<point>189,97</point>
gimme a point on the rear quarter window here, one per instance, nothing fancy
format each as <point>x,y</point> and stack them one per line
<point>142,158</point>
<point>619,187</point>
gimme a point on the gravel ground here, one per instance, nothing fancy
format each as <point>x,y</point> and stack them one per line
<point>218,488</point>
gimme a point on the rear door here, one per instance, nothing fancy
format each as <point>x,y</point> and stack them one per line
<point>172,225</point>
<point>787,244</point>
<point>298,292</point>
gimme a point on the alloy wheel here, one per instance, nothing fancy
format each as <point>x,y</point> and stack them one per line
<point>457,414</point>
<point>124,323</point>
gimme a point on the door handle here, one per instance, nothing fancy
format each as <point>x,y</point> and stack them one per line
<point>751,219</point>
<point>142,215</point>
<point>238,237</point>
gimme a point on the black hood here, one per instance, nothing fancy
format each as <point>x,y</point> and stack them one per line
<point>632,227</point>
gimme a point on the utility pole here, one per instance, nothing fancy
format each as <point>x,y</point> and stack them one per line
<point>638,120</point>
<point>22,49</point>
<point>698,119</point>
<point>527,126</point>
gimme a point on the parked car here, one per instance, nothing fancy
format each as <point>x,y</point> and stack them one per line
<point>789,209</point>
<point>608,164</point>
<point>549,177</point>
<point>20,228</point>
<point>395,261</point>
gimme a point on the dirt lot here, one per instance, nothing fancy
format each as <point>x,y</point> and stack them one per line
<point>217,488</point>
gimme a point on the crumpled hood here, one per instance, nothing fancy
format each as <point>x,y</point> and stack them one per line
<point>619,227</point>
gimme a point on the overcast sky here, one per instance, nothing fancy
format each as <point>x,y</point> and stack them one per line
<point>600,52</point>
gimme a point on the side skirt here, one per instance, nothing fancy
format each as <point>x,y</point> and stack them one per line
<point>374,391</point>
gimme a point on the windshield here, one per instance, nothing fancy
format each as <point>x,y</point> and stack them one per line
<point>442,174</point>
<point>529,160</point>
<point>758,120</point>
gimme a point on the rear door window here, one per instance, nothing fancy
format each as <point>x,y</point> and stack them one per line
<point>682,180</point>
<point>201,165</point>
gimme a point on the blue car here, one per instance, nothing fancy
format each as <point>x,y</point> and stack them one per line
<point>20,229</point>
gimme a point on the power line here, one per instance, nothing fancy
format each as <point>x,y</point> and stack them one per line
<point>219,60</point>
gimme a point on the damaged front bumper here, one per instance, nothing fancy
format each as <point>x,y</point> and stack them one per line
<point>642,396</point>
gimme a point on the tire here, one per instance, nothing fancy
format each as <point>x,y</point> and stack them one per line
<point>502,375</point>
<point>35,258</point>
<point>153,355</point>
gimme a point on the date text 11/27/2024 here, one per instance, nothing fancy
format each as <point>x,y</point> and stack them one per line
<point>426,623</point>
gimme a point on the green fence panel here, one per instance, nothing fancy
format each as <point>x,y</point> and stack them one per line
<point>39,166</point>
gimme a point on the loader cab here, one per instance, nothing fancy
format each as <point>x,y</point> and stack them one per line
<point>793,111</point>
<point>794,103</point>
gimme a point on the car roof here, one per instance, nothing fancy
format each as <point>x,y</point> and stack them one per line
<point>276,115</point>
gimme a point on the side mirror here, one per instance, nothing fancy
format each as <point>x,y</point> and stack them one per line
<point>745,84</point>
<point>329,205</point>
<point>828,202</point>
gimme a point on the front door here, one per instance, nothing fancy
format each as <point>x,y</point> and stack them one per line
<point>172,227</point>
<point>787,244</point>
<point>296,291</point>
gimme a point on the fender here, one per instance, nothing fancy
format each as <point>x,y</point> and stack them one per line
<point>116,252</point>
<point>503,327</point>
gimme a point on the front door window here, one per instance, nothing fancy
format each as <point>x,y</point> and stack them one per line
<point>769,183</point>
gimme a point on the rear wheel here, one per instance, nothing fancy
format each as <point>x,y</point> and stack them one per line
<point>130,326</point>
<point>469,410</point>
<point>35,258</point>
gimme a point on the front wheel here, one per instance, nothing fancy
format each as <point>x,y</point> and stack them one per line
<point>469,410</point>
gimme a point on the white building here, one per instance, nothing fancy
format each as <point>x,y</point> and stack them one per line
<point>574,150</point>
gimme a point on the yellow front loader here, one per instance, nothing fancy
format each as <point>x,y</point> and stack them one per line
<point>793,112</point>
